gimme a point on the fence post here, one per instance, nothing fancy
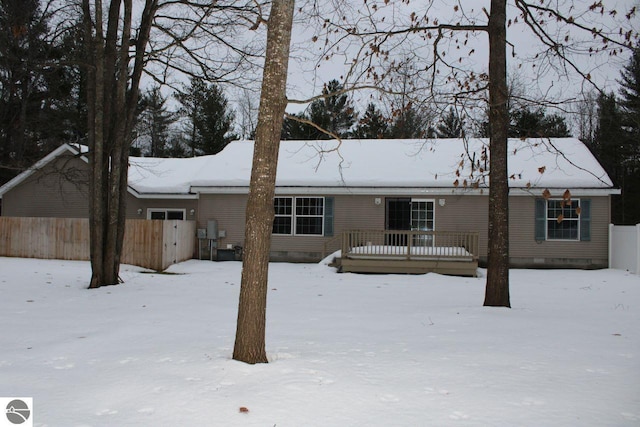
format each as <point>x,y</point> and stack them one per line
<point>637,249</point>
<point>611,228</point>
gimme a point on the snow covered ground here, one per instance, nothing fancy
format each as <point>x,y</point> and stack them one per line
<point>345,349</point>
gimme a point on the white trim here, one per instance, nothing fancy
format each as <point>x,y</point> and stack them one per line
<point>293,206</point>
<point>164,196</point>
<point>403,191</point>
<point>293,215</point>
<point>557,192</point>
<point>433,209</point>
<point>547,219</point>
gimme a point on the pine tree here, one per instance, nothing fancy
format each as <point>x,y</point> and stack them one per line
<point>153,124</point>
<point>410,123</point>
<point>627,158</point>
<point>609,138</point>
<point>555,126</point>
<point>451,125</point>
<point>210,122</point>
<point>39,97</point>
<point>373,125</point>
<point>630,92</point>
<point>294,128</point>
<point>535,123</point>
<point>333,112</point>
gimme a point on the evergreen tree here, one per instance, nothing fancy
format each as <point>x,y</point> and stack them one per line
<point>410,123</point>
<point>630,92</point>
<point>526,122</point>
<point>535,123</point>
<point>333,112</point>
<point>209,119</point>
<point>154,123</point>
<point>555,126</point>
<point>175,147</point>
<point>451,125</point>
<point>373,125</point>
<point>293,129</point>
<point>609,144</point>
<point>39,106</point>
<point>626,156</point>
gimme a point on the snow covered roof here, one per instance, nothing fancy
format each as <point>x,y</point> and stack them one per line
<point>365,165</point>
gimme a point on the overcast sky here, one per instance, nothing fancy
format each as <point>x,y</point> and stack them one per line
<point>306,79</point>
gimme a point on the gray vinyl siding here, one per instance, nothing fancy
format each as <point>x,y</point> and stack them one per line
<point>350,212</point>
<point>229,211</point>
<point>464,213</point>
<point>452,213</point>
<point>133,204</point>
<point>471,213</point>
<point>526,251</point>
<point>367,215</point>
<point>59,190</point>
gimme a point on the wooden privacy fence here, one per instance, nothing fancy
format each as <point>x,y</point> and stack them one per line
<point>147,243</point>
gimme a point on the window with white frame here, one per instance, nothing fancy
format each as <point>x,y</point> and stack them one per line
<point>166,214</point>
<point>283,220</point>
<point>299,215</point>
<point>563,219</point>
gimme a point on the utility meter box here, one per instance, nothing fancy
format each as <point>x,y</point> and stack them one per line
<point>212,229</point>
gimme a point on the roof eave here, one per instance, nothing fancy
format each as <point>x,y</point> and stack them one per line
<point>151,195</point>
<point>322,190</point>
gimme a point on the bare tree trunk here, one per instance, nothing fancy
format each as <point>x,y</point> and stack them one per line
<point>112,97</point>
<point>497,287</point>
<point>250,332</point>
<point>95,114</point>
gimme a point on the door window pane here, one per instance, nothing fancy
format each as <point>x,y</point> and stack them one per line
<point>158,215</point>
<point>175,215</point>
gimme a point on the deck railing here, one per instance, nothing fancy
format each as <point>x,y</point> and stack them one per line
<point>391,244</point>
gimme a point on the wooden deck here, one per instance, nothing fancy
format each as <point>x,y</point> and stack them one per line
<point>413,252</point>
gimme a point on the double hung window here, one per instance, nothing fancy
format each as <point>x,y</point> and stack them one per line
<point>563,219</point>
<point>299,215</point>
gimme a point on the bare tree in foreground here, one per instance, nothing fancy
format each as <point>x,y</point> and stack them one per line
<point>250,333</point>
<point>112,96</point>
<point>497,286</point>
<point>186,38</point>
